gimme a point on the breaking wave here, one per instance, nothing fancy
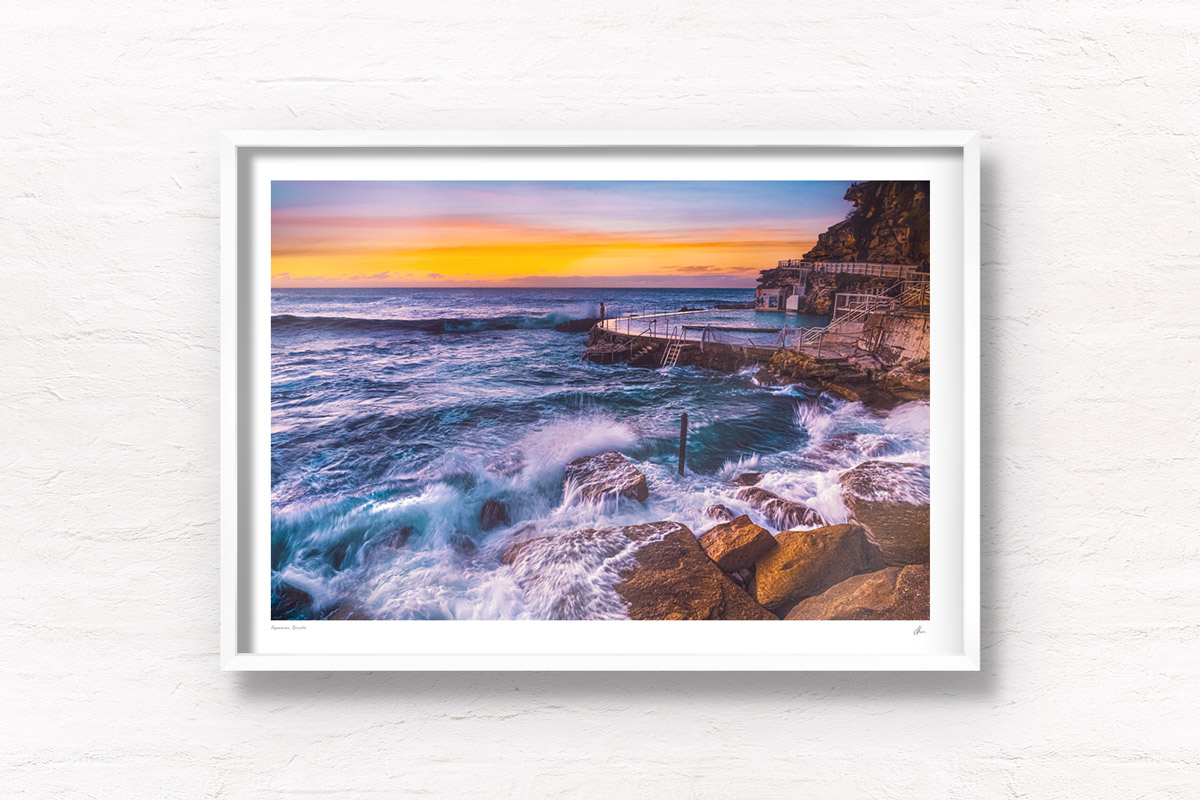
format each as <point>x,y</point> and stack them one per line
<point>292,322</point>
<point>388,442</point>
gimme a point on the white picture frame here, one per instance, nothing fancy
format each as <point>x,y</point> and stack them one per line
<point>948,641</point>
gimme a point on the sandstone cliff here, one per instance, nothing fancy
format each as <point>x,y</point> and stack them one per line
<point>889,224</point>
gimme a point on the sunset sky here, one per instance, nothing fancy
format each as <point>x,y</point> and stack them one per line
<point>543,233</point>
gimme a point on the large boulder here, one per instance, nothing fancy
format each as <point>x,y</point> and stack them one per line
<point>782,513</point>
<point>909,380</point>
<point>673,579</point>
<point>493,514</point>
<point>395,538</point>
<point>563,576</point>
<point>606,475</point>
<point>577,325</point>
<point>718,512</point>
<point>737,544</point>
<point>890,500</point>
<point>290,602</point>
<point>806,563</point>
<point>892,593</point>
<point>658,571</point>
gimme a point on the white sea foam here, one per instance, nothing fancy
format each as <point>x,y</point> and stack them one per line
<point>738,466</point>
<point>826,498</point>
<point>910,418</point>
<point>571,576</point>
<point>815,420</point>
<point>547,450</point>
<point>406,542</point>
<point>441,584</point>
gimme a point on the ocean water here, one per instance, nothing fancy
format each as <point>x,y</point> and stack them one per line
<point>396,414</point>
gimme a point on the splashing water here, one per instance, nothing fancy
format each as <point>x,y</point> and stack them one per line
<point>813,420</point>
<point>388,438</point>
<point>734,468</point>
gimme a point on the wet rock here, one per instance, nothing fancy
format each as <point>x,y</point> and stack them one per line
<point>398,537</point>
<point>337,555</point>
<point>790,366</point>
<point>493,514</point>
<point>562,574</point>
<point>464,545</point>
<point>673,579</point>
<point>736,545</point>
<point>577,325</point>
<point>519,540</point>
<point>843,390</point>
<point>608,541</point>
<point>909,380</point>
<point>782,513</point>
<point>748,478</point>
<point>840,442</point>
<point>892,593</point>
<point>765,377</point>
<point>885,498</point>
<point>806,563</point>
<point>345,610</point>
<point>290,602</point>
<point>606,475</point>
<point>662,574</point>
<point>744,578</point>
<point>506,326</point>
<point>377,547</point>
<point>718,512</point>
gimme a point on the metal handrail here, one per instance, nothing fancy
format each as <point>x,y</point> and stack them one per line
<point>653,313</point>
<point>874,268</point>
<point>634,339</point>
<point>914,294</point>
<point>845,302</point>
<point>675,338</point>
<point>909,294</point>
<point>853,315</point>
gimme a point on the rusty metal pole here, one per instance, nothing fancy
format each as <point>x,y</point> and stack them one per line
<point>682,441</point>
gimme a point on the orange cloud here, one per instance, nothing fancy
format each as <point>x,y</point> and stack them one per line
<point>317,250</point>
<point>391,233</point>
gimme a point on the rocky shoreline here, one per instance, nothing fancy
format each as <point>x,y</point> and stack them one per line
<point>863,379</point>
<point>874,567</point>
<point>772,558</point>
<point>879,358</point>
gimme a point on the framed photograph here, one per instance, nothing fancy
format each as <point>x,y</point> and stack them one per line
<point>593,401</point>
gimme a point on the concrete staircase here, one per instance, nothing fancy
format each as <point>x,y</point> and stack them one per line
<point>642,351</point>
<point>845,328</point>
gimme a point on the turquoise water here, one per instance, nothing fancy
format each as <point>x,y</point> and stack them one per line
<point>397,413</point>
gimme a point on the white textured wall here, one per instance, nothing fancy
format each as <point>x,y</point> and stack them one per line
<point>109,114</point>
